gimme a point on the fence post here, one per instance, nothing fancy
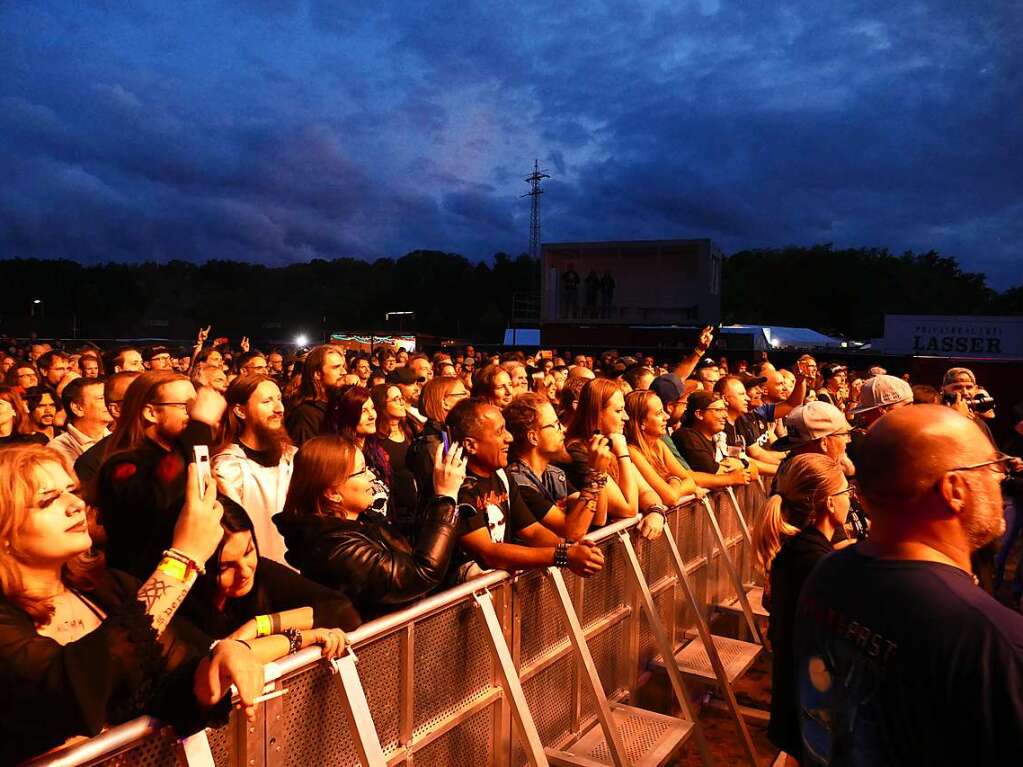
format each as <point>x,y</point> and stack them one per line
<point>353,698</point>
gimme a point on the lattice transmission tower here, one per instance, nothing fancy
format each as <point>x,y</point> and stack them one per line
<point>534,179</point>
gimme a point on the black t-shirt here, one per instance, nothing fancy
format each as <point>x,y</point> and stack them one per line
<point>906,663</point>
<point>264,458</point>
<point>490,502</point>
<point>791,567</point>
<point>700,453</point>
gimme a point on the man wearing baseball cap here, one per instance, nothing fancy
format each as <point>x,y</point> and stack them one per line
<point>816,427</point>
<point>879,395</point>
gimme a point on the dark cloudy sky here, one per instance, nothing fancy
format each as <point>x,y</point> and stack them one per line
<point>283,130</point>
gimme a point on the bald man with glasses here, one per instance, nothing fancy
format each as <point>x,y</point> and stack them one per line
<point>901,658</point>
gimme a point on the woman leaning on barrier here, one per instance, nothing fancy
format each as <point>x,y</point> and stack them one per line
<point>645,429</point>
<point>275,610</point>
<point>83,647</point>
<point>601,410</point>
<point>335,538</point>
<point>792,536</point>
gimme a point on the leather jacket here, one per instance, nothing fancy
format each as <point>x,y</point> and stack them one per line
<point>368,559</point>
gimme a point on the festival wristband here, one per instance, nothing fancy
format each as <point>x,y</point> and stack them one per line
<point>173,568</point>
<point>264,626</point>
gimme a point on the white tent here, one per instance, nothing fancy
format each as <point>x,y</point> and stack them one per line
<point>780,337</point>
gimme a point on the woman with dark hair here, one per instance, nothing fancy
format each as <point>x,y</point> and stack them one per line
<point>793,534</point>
<point>335,538</point>
<point>277,611</point>
<point>350,414</point>
<point>15,427</point>
<point>83,647</point>
<point>394,436</point>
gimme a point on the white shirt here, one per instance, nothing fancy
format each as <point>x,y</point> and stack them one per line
<point>73,442</point>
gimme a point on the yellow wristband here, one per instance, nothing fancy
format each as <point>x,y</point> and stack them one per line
<point>174,568</point>
<point>264,627</point>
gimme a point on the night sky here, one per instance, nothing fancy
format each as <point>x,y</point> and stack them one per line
<point>280,131</point>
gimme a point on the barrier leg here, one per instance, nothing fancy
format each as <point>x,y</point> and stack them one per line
<point>739,516</point>
<point>733,573</point>
<point>528,735</point>
<point>678,684</point>
<point>615,746</point>
<point>712,651</point>
<point>353,697</point>
<point>195,750</point>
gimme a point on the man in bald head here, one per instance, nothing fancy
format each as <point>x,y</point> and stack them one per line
<point>901,658</point>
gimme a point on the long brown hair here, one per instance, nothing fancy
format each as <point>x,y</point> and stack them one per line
<point>17,492</point>
<point>131,426</point>
<point>320,463</point>
<point>22,424</point>
<point>433,394</point>
<point>802,488</point>
<point>385,422</point>
<point>238,395</point>
<point>593,398</point>
<point>311,387</point>
<point>637,405</point>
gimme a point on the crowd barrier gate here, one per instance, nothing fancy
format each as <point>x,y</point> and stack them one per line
<point>451,679</point>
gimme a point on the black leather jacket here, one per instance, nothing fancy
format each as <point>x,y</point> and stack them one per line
<point>370,560</point>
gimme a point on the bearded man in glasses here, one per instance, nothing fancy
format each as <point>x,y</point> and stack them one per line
<point>900,657</point>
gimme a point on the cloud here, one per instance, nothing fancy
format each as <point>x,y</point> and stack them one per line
<point>283,130</point>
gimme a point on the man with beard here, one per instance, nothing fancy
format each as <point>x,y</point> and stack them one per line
<point>41,402</point>
<point>323,370</point>
<point>900,657</point>
<point>254,467</point>
<point>538,441</point>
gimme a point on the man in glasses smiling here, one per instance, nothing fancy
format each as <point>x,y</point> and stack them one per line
<point>901,658</point>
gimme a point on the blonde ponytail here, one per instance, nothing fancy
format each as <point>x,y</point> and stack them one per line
<point>770,531</point>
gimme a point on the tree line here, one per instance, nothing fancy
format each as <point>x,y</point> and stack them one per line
<point>833,290</point>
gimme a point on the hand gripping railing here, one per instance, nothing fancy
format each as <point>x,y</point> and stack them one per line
<point>483,673</point>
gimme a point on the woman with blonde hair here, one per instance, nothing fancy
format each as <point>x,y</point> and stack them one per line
<point>792,535</point>
<point>644,430</point>
<point>440,394</point>
<point>83,647</point>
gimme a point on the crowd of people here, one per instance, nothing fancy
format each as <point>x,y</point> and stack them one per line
<point>347,485</point>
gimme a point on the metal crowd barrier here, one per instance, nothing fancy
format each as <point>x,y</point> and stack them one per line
<point>431,685</point>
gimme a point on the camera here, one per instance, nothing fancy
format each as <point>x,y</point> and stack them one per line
<point>978,403</point>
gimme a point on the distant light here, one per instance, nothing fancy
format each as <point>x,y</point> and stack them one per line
<point>845,345</point>
<point>37,300</point>
<point>775,343</point>
<point>301,339</point>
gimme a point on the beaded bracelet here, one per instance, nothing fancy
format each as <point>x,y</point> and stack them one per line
<point>561,554</point>
<point>294,637</point>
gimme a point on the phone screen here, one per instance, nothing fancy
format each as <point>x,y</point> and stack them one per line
<point>204,476</point>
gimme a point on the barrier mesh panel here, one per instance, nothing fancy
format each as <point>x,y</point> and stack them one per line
<point>605,592</point>
<point>542,626</point>
<point>221,741</point>
<point>157,751</point>
<point>690,539</point>
<point>608,651</point>
<point>453,665</point>
<point>470,743</point>
<point>314,727</point>
<point>552,712</point>
<point>647,643</point>
<point>381,680</point>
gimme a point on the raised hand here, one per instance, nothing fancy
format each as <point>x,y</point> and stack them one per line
<point>449,470</point>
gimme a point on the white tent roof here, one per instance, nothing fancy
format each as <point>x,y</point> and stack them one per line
<point>779,336</point>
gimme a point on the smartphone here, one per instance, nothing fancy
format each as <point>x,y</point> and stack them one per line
<point>445,437</point>
<point>204,476</point>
